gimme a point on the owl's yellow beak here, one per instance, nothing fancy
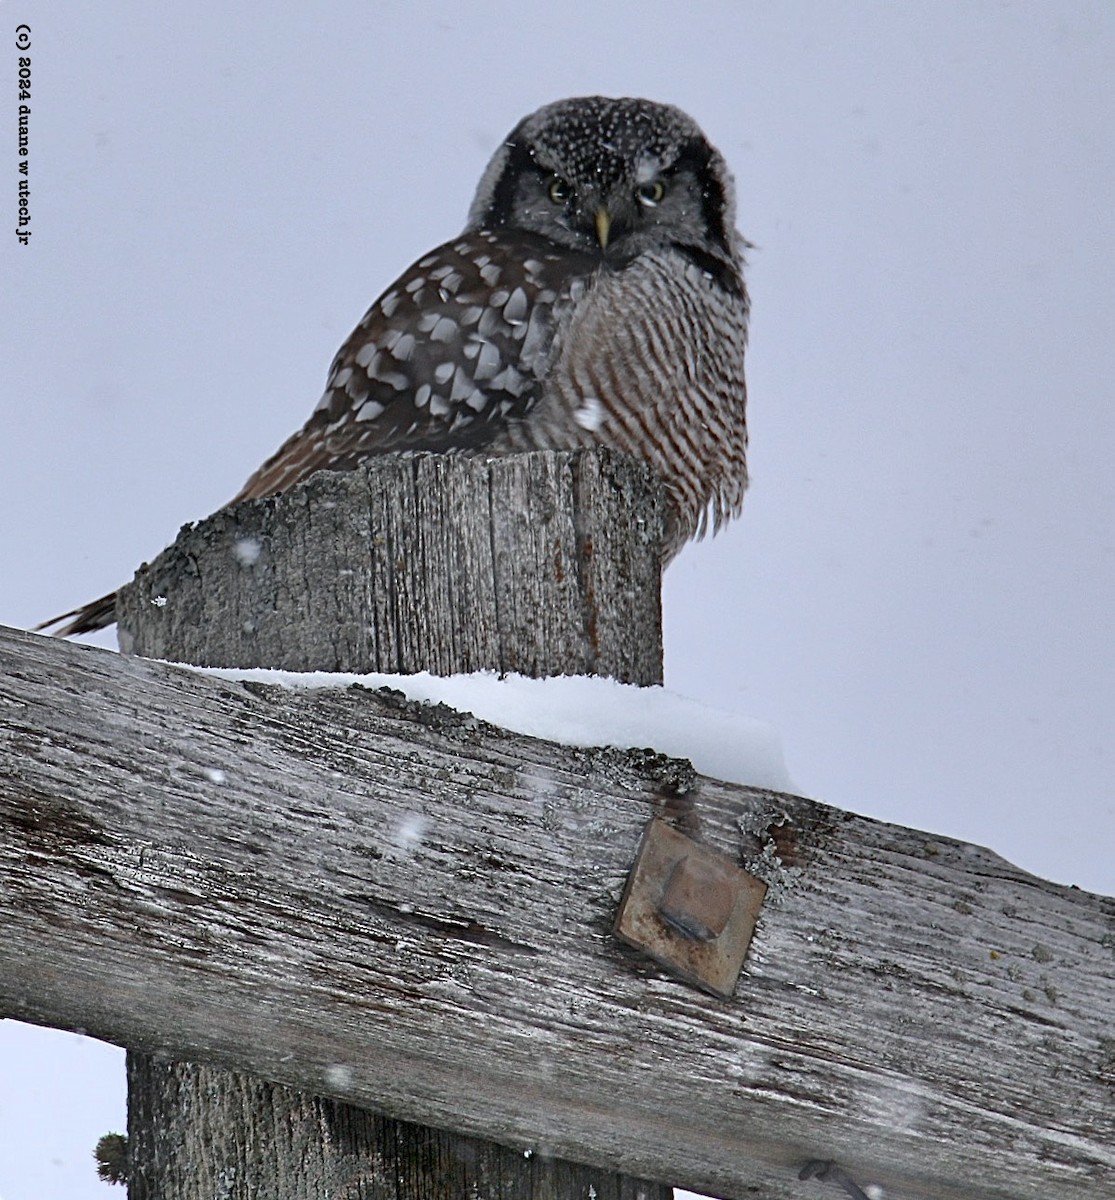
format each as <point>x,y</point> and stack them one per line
<point>603,221</point>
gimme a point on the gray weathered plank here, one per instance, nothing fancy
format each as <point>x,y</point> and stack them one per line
<point>407,909</point>
<point>543,563</point>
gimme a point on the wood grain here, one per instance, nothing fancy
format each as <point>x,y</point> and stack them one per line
<point>541,563</point>
<point>401,907</point>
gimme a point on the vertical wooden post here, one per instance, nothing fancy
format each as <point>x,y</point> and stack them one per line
<point>545,564</point>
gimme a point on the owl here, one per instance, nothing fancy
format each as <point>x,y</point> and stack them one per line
<point>595,297</point>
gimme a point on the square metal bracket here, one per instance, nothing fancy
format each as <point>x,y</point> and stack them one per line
<point>690,908</point>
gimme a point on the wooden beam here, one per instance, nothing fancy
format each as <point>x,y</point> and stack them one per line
<point>402,907</point>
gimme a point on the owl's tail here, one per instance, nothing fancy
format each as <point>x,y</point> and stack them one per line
<point>86,619</point>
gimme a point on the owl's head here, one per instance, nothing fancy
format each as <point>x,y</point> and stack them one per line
<point>611,177</point>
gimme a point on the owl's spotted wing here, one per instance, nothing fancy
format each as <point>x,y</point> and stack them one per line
<point>445,358</point>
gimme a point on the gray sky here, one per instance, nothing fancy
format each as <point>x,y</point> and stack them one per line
<point>918,595</point>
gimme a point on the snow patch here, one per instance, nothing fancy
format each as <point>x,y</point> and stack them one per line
<point>578,711</point>
<point>247,550</point>
<point>337,1075</point>
<point>409,833</point>
<point>590,415</point>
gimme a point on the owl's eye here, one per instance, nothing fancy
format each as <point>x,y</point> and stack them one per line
<point>559,191</point>
<point>649,195</point>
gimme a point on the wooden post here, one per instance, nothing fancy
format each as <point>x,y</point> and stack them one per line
<point>541,564</point>
<point>544,564</point>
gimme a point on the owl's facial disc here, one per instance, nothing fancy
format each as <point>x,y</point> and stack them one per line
<point>615,178</point>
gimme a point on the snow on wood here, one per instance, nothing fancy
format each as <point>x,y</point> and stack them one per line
<point>583,710</point>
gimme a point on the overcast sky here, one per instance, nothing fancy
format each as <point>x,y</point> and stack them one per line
<point>919,594</point>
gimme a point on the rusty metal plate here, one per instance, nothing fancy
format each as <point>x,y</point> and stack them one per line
<point>690,908</point>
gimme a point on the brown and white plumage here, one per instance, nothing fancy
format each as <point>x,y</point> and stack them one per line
<point>596,296</point>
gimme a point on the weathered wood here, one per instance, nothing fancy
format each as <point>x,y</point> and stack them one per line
<point>545,564</point>
<point>306,1144</point>
<point>403,908</point>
